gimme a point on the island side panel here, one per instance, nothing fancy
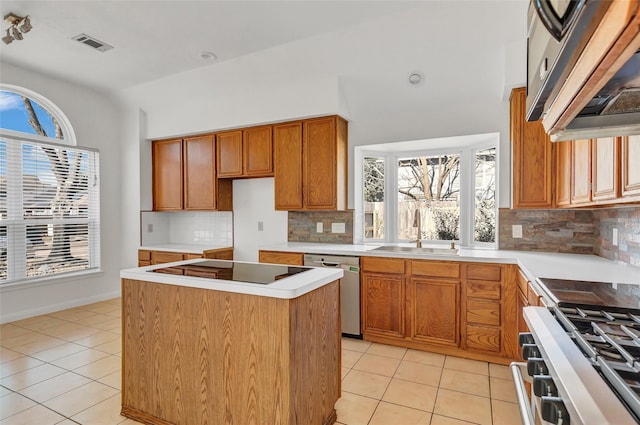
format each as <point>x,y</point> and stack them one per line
<point>192,355</point>
<point>316,355</point>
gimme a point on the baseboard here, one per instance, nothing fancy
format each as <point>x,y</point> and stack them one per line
<point>76,302</point>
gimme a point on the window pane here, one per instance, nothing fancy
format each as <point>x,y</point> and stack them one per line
<point>429,188</point>
<point>485,196</point>
<point>3,253</point>
<point>57,248</point>
<point>16,112</point>
<point>3,180</point>
<point>373,190</point>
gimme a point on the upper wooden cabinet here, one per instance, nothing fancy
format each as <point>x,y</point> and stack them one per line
<point>167,175</point>
<point>310,164</point>
<point>532,158</point>
<point>581,172</point>
<point>245,153</point>
<point>630,170</point>
<point>605,169</point>
<point>564,153</point>
<point>184,176</point>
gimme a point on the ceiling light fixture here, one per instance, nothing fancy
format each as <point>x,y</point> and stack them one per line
<point>415,78</point>
<point>18,25</point>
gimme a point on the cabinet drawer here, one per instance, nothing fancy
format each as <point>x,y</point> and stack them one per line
<point>278,257</point>
<point>533,296</point>
<point>192,256</point>
<point>483,312</point>
<point>144,255</point>
<point>435,269</point>
<point>143,263</point>
<point>483,338</point>
<point>522,280</point>
<point>487,290</point>
<point>484,272</point>
<point>383,265</point>
<point>159,257</point>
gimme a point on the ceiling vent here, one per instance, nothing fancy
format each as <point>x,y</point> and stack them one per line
<point>92,42</point>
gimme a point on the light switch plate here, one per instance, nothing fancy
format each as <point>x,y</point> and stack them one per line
<point>260,226</point>
<point>319,228</point>
<point>338,228</point>
<point>516,231</point>
<point>614,237</point>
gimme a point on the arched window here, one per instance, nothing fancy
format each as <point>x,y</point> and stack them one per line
<point>49,192</point>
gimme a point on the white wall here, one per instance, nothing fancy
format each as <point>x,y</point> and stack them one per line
<point>360,73</point>
<point>253,202</point>
<point>96,124</point>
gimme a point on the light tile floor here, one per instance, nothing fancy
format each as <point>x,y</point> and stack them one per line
<point>64,368</point>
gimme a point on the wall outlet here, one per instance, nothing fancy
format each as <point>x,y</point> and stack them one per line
<point>150,228</point>
<point>319,228</point>
<point>614,237</point>
<point>260,226</point>
<point>338,228</point>
<point>516,231</point>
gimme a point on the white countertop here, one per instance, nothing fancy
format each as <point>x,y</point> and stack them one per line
<point>189,248</point>
<point>533,264</point>
<point>286,288</point>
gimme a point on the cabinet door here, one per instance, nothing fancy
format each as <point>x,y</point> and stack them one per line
<point>319,149</point>
<point>199,173</point>
<point>435,311</point>
<point>581,172</point>
<point>532,158</point>
<point>287,156</point>
<point>383,298</point>
<point>563,174</point>
<point>167,175</point>
<point>630,168</point>
<point>605,168</point>
<point>258,151</point>
<point>229,153</point>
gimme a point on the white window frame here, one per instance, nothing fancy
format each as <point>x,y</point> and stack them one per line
<point>15,238</point>
<point>391,156</point>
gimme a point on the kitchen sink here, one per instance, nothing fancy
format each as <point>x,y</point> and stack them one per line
<point>415,250</point>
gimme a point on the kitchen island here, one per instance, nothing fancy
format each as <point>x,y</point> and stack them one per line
<point>212,350</point>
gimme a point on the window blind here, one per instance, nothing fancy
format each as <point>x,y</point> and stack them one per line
<point>49,210</point>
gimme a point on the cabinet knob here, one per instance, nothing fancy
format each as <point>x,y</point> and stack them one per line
<point>554,411</point>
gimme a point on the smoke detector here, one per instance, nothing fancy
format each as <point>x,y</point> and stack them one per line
<point>92,42</point>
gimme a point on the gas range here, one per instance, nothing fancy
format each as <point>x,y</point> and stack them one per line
<point>583,360</point>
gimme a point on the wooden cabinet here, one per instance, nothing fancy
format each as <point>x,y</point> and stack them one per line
<point>563,182</point>
<point>167,175</point>
<point>482,308</point>
<point>184,176</point>
<point>605,167</point>
<point>245,153</point>
<point>229,153</point>
<point>310,164</point>
<point>150,257</point>
<point>278,257</point>
<point>532,158</point>
<point>630,167</point>
<point>383,296</point>
<point>455,308</point>
<point>581,172</point>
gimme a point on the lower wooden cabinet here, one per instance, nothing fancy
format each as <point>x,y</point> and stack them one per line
<point>435,309</point>
<point>150,257</point>
<point>383,298</point>
<point>280,257</point>
<point>463,309</point>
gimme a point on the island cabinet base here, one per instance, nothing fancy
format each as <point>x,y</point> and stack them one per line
<point>196,356</point>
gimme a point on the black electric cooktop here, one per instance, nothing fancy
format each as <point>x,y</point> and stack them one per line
<point>263,274</point>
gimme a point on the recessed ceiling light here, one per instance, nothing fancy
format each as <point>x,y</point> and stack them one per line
<point>416,78</point>
<point>208,56</point>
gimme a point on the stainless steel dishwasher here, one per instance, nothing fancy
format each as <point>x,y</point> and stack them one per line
<point>349,290</point>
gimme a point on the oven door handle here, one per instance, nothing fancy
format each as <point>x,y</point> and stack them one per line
<point>521,392</point>
<point>556,25</point>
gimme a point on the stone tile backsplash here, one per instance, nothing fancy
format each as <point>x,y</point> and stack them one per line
<point>568,231</point>
<point>575,231</point>
<point>302,226</point>
<point>627,223</point>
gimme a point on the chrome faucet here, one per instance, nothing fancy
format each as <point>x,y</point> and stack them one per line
<point>417,222</point>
